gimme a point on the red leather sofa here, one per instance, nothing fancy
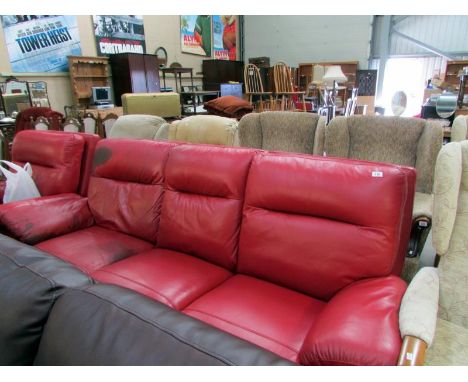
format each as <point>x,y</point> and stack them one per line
<point>294,253</point>
<point>61,161</point>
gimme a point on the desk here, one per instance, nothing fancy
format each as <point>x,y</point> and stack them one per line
<point>178,71</point>
<point>197,93</point>
<point>102,113</point>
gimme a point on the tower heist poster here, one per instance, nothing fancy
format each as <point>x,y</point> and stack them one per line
<point>40,43</point>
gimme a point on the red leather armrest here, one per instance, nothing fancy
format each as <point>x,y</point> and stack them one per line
<point>359,326</point>
<point>39,219</point>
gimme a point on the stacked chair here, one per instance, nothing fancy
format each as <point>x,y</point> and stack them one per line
<point>285,96</point>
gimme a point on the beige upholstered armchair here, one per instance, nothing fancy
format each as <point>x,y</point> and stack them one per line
<point>459,129</point>
<point>407,141</point>
<point>211,129</point>
<point>139,126</point>
<point>450,241</point>
<point>283,131</point>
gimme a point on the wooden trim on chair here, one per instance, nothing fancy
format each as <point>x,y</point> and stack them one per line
<point>413,352</point>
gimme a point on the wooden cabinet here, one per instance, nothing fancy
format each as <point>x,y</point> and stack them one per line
<point>86,72</point>
<point>349,69</point>
<point>217,72</point>
<point>451,74</point>
<point>134,73</point>
<point>452,71</point>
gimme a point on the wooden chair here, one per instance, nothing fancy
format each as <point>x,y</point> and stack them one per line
<point>72,125</point>
<point>74,111</point>
<point>4,147</point>
<point>90,124</point>
<point>284,89</point>
<point>40,123</point>
<point>254,87</point>
<point>108,122</point>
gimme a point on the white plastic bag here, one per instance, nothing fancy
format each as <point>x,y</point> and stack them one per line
<point>19,184</point>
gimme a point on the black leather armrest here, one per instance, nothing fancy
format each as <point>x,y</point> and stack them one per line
<point>30,282</point>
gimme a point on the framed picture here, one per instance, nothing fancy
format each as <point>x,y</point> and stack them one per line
<point>225,37</point>
<point>37,43</point>
<point>119,34</point>
<point>195,35</point>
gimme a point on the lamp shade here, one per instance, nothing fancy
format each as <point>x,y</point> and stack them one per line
<point>334,73</point>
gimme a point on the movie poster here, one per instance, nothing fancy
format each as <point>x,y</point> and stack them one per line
<point>39,43</point>
<point>119,34</point>
<point>224,37</point>
<point>195,35</point>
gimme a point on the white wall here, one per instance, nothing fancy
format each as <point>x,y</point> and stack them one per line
<point>301,39</point>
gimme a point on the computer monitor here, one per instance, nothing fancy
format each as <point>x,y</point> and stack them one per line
<point>231,89</point>
<point>101,95</point>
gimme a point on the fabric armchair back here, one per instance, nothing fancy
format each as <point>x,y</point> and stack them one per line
<point>210,129</point>
<point>283,131</point>
<point>450,224</point>
<point>137,126</point>
<point>459,129</point>
<point>405,141</point>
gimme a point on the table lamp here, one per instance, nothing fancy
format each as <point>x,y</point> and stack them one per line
<point>332,77</point>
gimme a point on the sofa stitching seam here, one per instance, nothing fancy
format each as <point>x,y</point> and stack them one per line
<point>167,301</point>
<point>249,330</point>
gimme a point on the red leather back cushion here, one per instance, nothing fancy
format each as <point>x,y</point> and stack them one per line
<point>202,205</point>
<point>55,159</point>
<point>317,224</point>
<point>125,189</point>
<point>91,141</point>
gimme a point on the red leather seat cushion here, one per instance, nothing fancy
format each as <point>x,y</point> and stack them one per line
<point>202,204</point>
<point>316,224</point>
<point>55,159</point>
<point>268,315</point>
<point>94,247</point>
<point>172,278</point>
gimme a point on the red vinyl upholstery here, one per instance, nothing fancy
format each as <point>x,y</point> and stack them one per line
<point>66,213</point>
<point>55,159</point>
<point>297,254</point>
<point>340,337</point>
<point>61,162</point>
<point>170,277</point>
<point>294,208</point>
<point>266,314</point>
<point>125,190</point>
<point>202,207</point>
<point>94,247</point>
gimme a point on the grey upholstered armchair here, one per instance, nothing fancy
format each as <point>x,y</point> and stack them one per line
<point>407,141</point>
<point>283,131</point>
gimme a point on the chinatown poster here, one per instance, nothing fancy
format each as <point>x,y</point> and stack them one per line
<point>37,43</point>
<point>224,37</point>
<point>195,35</point>
<point>119,34</point>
